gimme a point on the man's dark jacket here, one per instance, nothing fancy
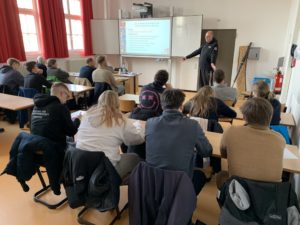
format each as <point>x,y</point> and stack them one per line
<point>22,158</point>
<point>90,179</point>
<point>10,77</point>
<point>157,196</point>
<point>180,137</point>
<point>51,119</point>
<point>36,81</point>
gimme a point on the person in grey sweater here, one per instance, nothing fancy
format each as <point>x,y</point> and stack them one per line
<point>222,91</point>
<point>171,139</point>
<point>60,74</point>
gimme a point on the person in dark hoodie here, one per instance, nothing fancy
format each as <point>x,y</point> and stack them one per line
<point>34,79</point>
<point>10,76</point>
<point>51,118</point>
<point>149,107</point>
<point>41,65</point>
<point>207,60</point>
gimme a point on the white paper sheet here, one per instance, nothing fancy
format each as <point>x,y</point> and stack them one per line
<point>288,154</point>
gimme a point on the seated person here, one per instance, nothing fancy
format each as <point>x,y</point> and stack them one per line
<point>157,87</point>
<point>41,65</point>
<point>51,118</point>
<point>87,70</point>
<point>11,77</point>
<point>171,139</point>
<point>149,107</point>
<point>253,150</point>
<point>60,74</point>
<point>104,128</point>
<point>262,89</point>
<point>34,79</point>
<point>103,74</point>
<point>222,91</point>
<point>206,106</point>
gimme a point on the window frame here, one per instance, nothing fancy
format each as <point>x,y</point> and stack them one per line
<point>69,17</point>
<point>33,12</point>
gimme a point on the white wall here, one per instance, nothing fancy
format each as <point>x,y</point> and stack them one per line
<point>262,22</point>
<point>293,106</point>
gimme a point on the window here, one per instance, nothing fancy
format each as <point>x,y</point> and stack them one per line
<point>73,24</point>
<point>29,25</point>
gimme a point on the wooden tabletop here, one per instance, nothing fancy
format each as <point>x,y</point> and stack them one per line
<point>76,88</point>
<point>289,165</point>
<point>286,119</point>
<point>127,74</point>
<point>132,97</point>
<point>15,103</point>
<point>121,79</point>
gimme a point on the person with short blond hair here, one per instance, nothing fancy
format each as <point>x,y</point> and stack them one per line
<point>103,74</point>
<point>10,75</point>
<point>262,89</point>
<point>254,151</point>
<point>51,118</point>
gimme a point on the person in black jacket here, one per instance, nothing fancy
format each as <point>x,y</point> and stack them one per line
<point>51,118</point>
<point>207,60</point>
<point>206,106</point>
<point>262,89</point>
<point>87,70</point>
<point>41,65</point>
<point>34,79</point>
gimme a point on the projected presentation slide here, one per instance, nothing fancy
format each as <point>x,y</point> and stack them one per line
<point>145,37</point>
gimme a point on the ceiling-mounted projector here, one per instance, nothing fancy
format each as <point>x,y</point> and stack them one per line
<point>145,9</point>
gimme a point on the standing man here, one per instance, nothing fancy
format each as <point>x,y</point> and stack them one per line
<point>207,60</point>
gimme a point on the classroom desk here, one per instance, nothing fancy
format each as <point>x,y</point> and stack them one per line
<point>132,97</point>
<point>289,165</point>
<point>132,84</point>
<point>76,88</point>
<point>286,119</point>
<point>15,103</point>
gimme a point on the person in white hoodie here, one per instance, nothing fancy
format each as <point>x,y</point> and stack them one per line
<point>104,128</point>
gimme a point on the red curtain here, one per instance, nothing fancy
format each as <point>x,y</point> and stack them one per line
<point>53,32</point>
<point>11,41</point>
<point>87,15</point>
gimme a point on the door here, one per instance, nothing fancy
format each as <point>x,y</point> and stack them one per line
<point>226,41</point>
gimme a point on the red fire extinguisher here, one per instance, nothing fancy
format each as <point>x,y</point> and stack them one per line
<point>278,78</point>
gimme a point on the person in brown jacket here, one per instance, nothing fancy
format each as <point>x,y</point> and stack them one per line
<point>253,150</point>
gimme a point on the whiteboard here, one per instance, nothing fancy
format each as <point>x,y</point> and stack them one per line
<point>105,36</point>
<point>186,34</point>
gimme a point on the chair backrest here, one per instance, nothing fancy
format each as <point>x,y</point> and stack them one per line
<point>256,201</point>
<point>27,92</point>
<point>156,194</point>
<point>284,131</point>
<point>82,81</point>
<point>229,103</point>
<point>127,105</point>
<point>100,87</point>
